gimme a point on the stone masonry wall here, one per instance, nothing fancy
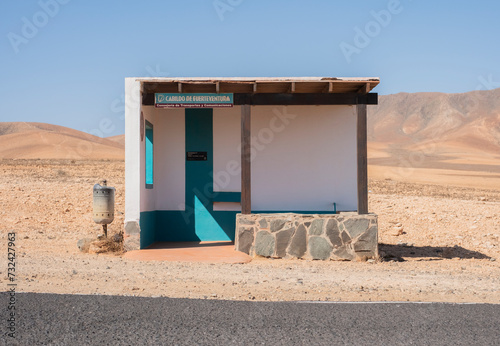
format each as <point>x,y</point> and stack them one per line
<point>344,236</point>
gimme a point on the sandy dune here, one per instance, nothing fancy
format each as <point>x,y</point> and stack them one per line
<point>45,141</point>
<point>118,139</point>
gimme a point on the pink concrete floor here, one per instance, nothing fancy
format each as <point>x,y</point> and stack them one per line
<point>208,252</point>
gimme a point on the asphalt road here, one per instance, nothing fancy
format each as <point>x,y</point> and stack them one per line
<point>49,319</point>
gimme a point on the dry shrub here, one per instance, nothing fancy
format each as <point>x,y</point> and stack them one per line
<point>113,245</point>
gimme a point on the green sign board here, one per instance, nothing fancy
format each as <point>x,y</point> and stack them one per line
<point>195,100</point>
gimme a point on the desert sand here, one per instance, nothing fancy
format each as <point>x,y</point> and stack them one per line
<point>437,243</point>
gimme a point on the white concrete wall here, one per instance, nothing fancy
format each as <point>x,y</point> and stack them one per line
<point>170,158</point>
<point>132,149</point>
<point>227,153</point>
<point>304,158</point>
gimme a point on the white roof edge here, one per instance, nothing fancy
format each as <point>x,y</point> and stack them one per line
<point>256,79</point>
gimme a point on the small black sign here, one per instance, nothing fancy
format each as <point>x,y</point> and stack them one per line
<point>196,156</point>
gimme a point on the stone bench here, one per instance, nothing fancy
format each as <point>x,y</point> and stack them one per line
<point>344,236</point>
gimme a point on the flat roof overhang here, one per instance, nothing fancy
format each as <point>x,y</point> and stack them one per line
<point>270,90</point>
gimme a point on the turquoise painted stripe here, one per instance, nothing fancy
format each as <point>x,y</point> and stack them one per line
<point>171,225</point>
<point>148,228</point>
<point>227,197</point>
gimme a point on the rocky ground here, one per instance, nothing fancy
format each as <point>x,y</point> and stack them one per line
<point>438,243</point>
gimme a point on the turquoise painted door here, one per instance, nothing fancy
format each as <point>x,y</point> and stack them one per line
<point>202,221</point>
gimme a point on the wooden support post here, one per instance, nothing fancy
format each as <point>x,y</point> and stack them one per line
<point>246,201</point>
<point>362,154</point>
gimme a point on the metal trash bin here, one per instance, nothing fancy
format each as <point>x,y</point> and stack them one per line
<point>103,205</point>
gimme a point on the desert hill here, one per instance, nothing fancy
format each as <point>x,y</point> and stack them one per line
<point>469,120</point>
<point>118,139</point>
<point>24,140</point>
<point>416,136</point>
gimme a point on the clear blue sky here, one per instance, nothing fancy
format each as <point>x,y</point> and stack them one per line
<point>66,64</point>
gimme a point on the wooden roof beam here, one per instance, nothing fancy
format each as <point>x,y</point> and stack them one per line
<point>328,87</point>
<point>365,89</point>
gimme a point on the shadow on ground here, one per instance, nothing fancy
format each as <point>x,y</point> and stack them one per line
<point>189,244</point>
<point>390,252</point>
